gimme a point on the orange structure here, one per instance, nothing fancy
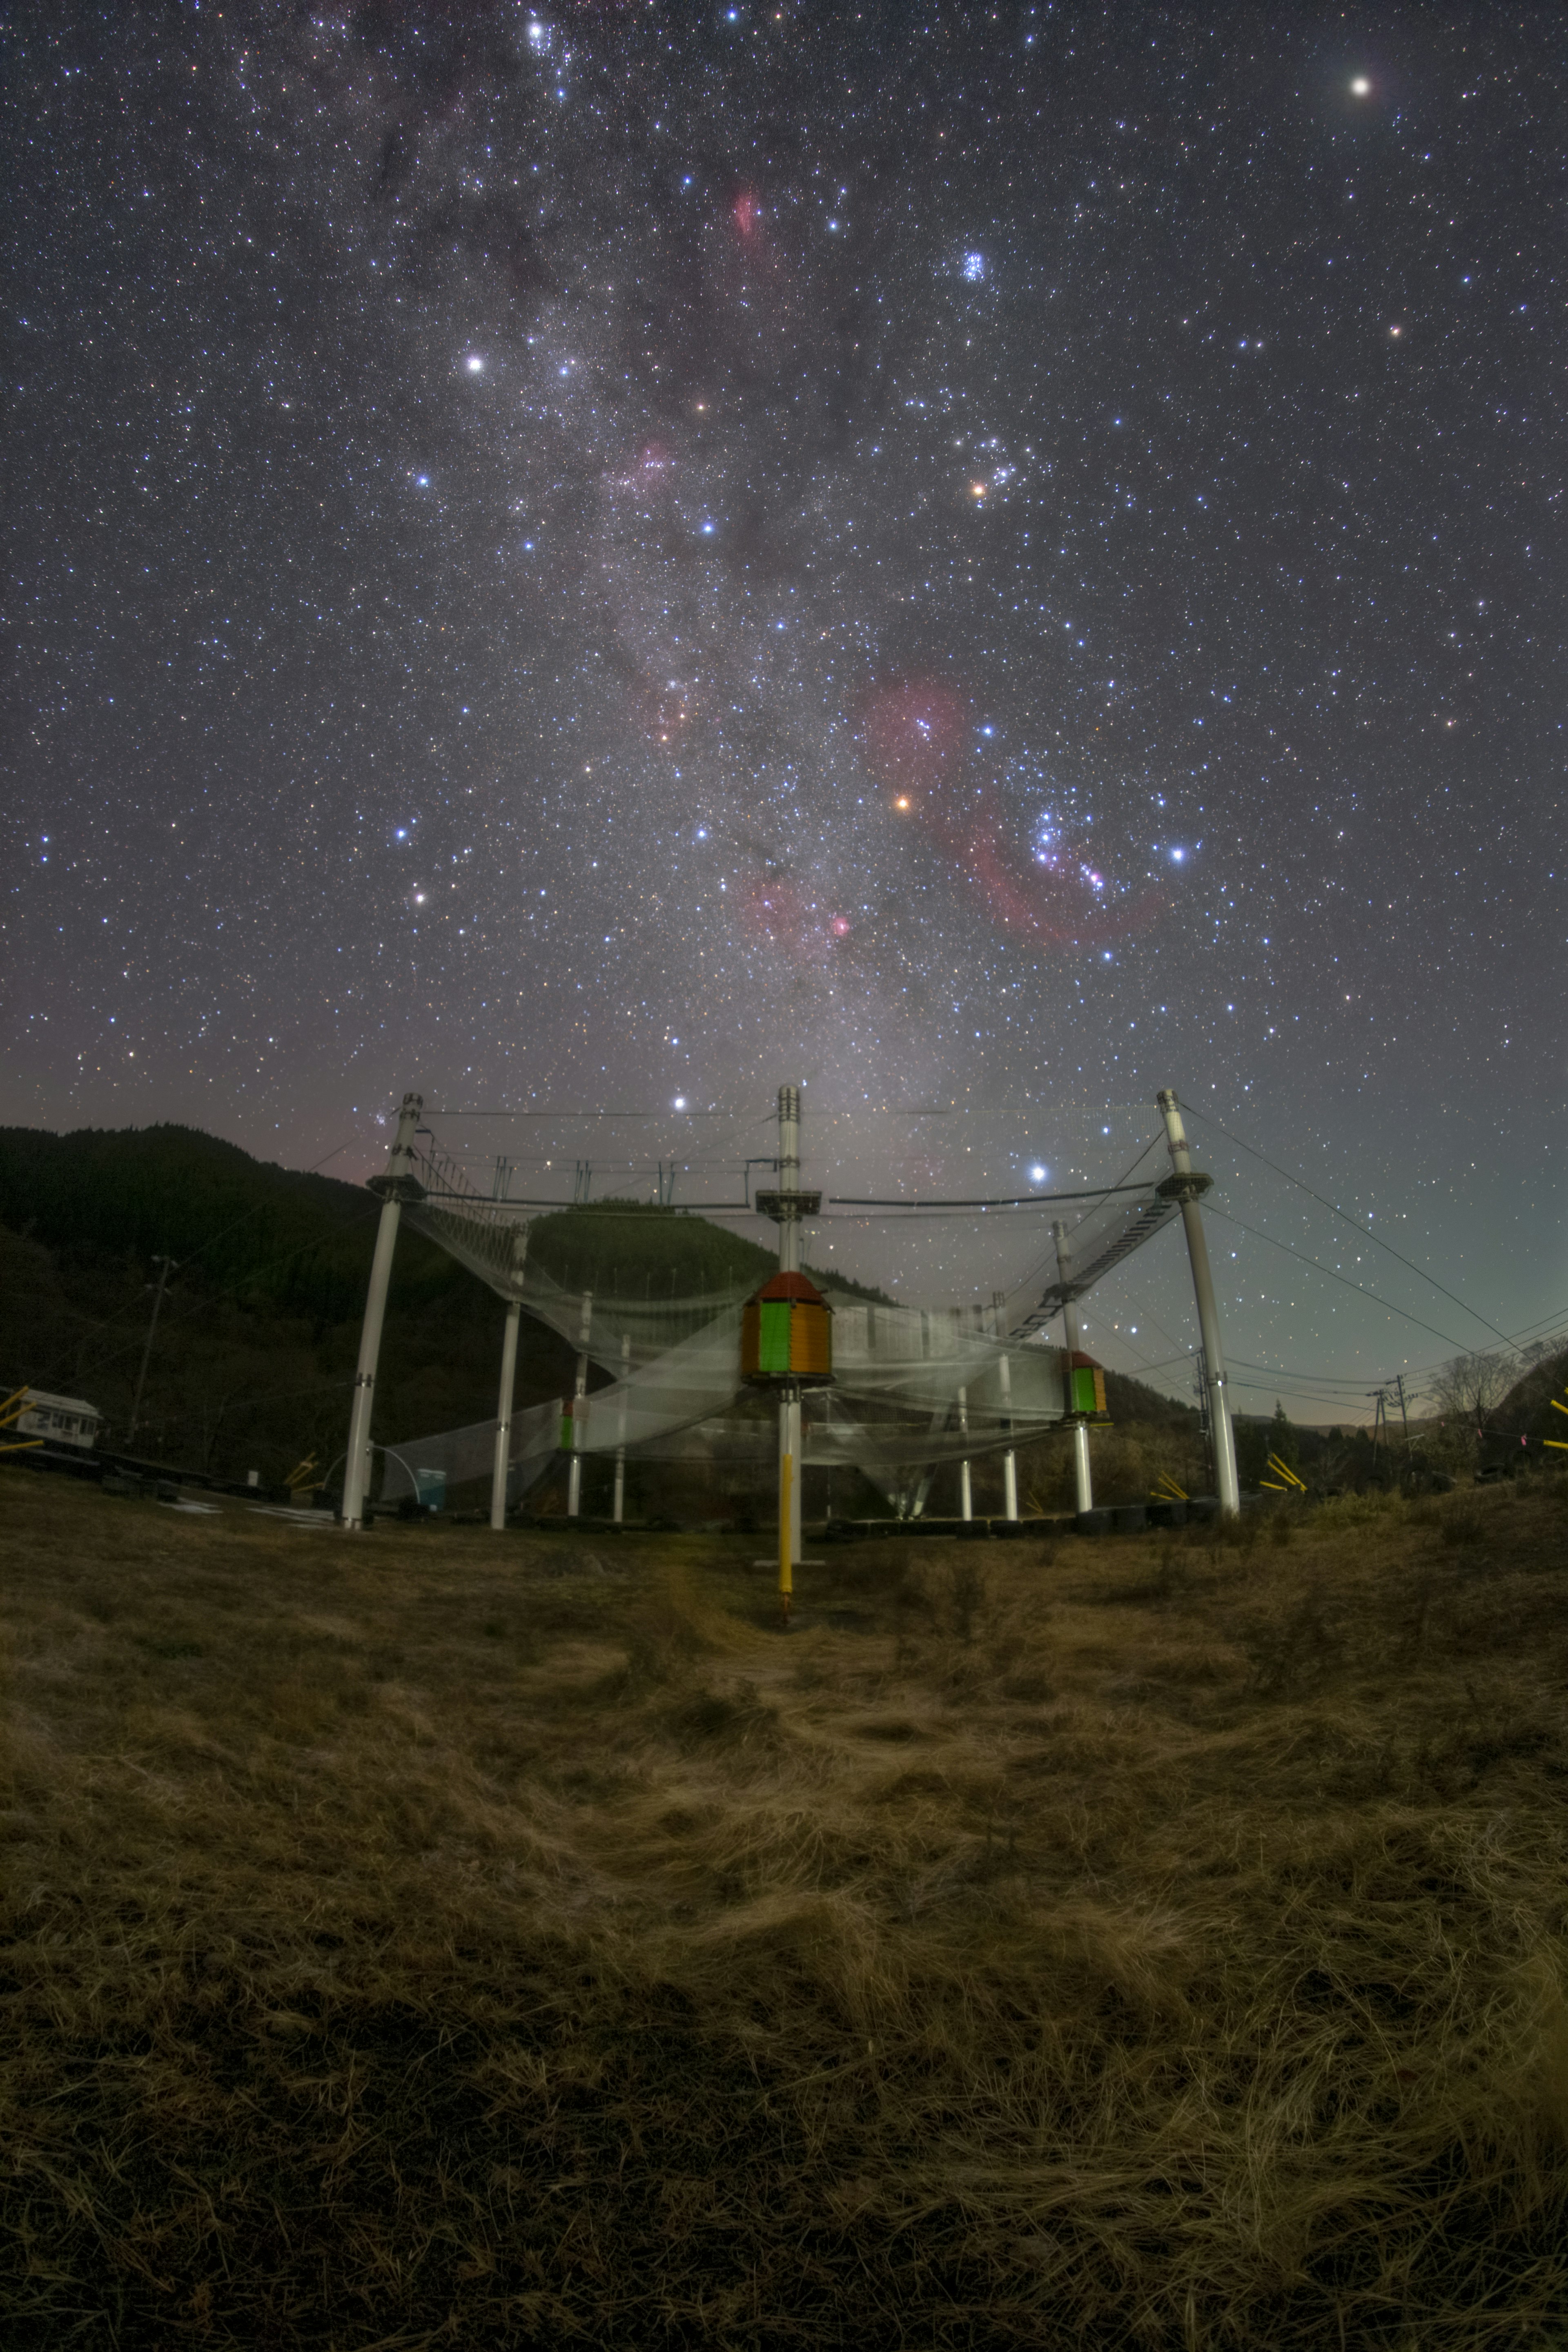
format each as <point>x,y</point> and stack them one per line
<point>786,1334</point>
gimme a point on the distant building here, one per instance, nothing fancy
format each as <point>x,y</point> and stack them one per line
<point>63,1421</point>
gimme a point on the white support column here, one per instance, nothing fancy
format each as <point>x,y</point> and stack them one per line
<point>1005,1375</point>
<point>789,1177</point>
<point>397,1185</point>
<point>579,1417</point>
<point>620,1503</point>
<point>1083,1487</point>
<point>1185,1185</point>
<point>965,1486</point>
<point>793,1451</point>
<point>504,1416</point>
<point>787,1205</point>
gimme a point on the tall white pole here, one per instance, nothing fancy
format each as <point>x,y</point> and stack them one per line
<point>1185,1185</point>
<point>397,1185</point>
<point>504,1414</point>
<point>789,1263</point>
<point>789,1179</point>
<point>966,1488</point>
<point>620,1503</point>
<point>1005,1375</point>
<point>579,1417</point>
<point>1083,1490</point>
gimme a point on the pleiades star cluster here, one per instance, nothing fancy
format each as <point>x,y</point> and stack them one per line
<point>613,553</point>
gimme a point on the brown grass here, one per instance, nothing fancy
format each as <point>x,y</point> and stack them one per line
<point>447,1938</point>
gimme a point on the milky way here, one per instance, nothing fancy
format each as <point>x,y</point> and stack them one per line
<point>604,553</point>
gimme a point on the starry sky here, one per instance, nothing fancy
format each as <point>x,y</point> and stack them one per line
<point>987,560</point>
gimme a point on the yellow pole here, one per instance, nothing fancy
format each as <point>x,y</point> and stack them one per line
<point>786,1573</point>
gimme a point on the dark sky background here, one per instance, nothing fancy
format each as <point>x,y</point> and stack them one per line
<point>994,559</point>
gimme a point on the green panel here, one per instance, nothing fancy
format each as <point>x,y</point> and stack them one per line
<point>773,1336</point>
<point>1083,1397</point>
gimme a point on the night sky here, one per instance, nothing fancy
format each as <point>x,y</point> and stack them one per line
<point>983,559</point>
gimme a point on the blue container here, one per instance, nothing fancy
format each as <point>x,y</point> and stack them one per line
<point>430,1488</point>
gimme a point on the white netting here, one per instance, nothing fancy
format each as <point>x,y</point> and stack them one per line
<point>458,1455</point>
<point>912,1386</point>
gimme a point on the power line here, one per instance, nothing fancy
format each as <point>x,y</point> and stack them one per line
<point>1355,1381</point>
<point>1357,1224</point>
<point>1359,1288</point>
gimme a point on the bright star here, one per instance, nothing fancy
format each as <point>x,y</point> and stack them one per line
<point>1038,1175</point>
<point>1360,87</point>
<point>681,1102</point>
<point>476,365</point>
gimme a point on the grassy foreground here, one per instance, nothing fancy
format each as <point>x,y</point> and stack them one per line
<point>447,1938</point>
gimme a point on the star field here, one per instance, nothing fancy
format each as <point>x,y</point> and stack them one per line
<point>608,554</point>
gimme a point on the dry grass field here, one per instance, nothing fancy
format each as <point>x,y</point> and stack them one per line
<point>447,1938</point>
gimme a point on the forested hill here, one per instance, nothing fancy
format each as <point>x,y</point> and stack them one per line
<point>301,1241</point>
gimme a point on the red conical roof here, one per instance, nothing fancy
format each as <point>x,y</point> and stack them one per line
<point>791,1285</point>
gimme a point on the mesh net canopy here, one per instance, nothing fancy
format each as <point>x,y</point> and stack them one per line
<point>911,1388</point>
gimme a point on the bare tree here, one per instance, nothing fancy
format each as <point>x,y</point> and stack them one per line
<point>1468,1391</point>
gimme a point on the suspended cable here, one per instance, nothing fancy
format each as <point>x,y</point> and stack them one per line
<point>1028,1280</point>
<point>1354,1222</point>
<point>1359,1288</point>
<point>1019,1200</point>
<point>764,1119</point>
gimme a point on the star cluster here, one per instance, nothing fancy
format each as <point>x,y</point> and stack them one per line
<point>592,551</point>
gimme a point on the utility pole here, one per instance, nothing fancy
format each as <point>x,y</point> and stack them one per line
<point>1083,1489</point>
<point>1187,1186</point>
<point>166,1266</point>
<point>1404,1417</point>
<point>398,1185</point>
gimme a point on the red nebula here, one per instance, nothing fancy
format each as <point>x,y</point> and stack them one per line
<point>746,212</point>
<point>1062,902</point>
<point>913,733</point>
<point>787,919</point>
